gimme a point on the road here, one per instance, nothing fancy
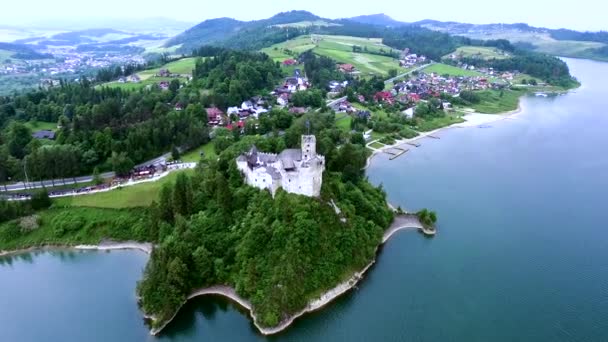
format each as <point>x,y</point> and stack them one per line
<point>391,80</point>
<point>68,181</point>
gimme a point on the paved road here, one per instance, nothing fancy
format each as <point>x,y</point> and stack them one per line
<point>68,181</point>
<point>391,80</point>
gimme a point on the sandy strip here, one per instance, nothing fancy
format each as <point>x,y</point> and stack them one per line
<point>402,222</point>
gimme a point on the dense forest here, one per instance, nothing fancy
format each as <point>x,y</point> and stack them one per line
<point>280,252</point>
<point>235,76</point>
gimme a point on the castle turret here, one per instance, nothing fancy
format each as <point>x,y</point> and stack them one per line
<point>309,147</point>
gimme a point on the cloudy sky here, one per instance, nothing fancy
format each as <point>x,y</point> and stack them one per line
<point>580,14</point>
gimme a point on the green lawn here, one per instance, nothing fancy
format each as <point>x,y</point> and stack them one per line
<point>343,122</point>
<point>480,52</point>
<point>492,102</point>
<point>140,195</point>
<point>41,125</point>
<point>435,123</point>
<point>182,66</point>
<point>377,145</point>
<point>444,69</point>
<point>194,156</point>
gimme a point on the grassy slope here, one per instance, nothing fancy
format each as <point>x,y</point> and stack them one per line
<point>493,103</point>
<point>195,155</point>
<point>41,125</point>
<point>480,52</point>
<point>140,195</point>
<point>84,226</point>
<point>442,69</point>
<point>183,66</point>
<point>340,49</point>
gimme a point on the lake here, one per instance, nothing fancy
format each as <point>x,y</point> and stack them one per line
<point>521,252</point>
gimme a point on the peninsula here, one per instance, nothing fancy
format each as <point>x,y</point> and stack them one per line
<point>277,214</point>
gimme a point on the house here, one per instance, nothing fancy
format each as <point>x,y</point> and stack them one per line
<point>179,107</point>
<point>122,80</point>
<point>164,85</point>
<point>446,106</point>
<point>364,114</point>
<point>384,96</point>
<point>134,78</point>
<point>297,171</point>
<point>283,100</point>
<point>214,116</point>
<point>409,113</point>
<point>289,62</point>
<point>346,68</point>
<point>298,110</point>
<point>233,110</point>
<point>240,125</point>
<point>44,134</point>
<point>164,73</point>
<point>247,105</point>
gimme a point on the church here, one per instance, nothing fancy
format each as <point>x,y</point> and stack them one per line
<point>297,171</point>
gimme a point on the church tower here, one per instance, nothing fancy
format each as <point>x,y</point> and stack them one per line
<point>309,147</point>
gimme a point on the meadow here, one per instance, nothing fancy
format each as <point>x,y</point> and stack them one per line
<point>339,48</point>
<point>480,52</point>
<point>444,69</point>
<point>182,67</point>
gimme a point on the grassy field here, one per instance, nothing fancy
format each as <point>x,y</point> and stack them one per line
<point>444,69</point>
<point>41,125</point>
<point>493,103</point>
<point>73,226</point>
<point>183,66</point>
<point>339,48</point>
<point>195,155</point>
<point>377,145</point>
<point>140,195</point>
<point>435,123</point>
<point>480,52</point>
<point>343,122</point>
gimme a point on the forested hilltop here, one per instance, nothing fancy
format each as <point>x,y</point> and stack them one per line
<point>279,253</point>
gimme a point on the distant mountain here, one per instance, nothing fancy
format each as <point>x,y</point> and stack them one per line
<point>378,19</point>
<point>22,51</point>
<point>228,31</point>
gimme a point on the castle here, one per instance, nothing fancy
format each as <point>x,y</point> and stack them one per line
<point>298,171</point>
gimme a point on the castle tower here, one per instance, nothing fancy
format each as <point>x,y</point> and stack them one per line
<point>309,147</point>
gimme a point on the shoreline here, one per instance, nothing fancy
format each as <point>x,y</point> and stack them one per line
<point>476,120</point>
<point>401,222</point>
<point>104,246</point>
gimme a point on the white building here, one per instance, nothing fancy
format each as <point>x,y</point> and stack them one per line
<point>298,171</point>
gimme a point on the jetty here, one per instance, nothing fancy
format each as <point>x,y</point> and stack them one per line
<point>414,144</point>
<point>433,137</point>
<point>395,152</point>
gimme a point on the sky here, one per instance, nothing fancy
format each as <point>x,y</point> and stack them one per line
<point>579,15</point>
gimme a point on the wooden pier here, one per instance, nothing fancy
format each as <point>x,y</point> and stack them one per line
<point>414,144</point>
<point>433,137</point>
<point>395,152</point>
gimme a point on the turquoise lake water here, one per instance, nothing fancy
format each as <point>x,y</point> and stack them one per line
<point>521,252</point>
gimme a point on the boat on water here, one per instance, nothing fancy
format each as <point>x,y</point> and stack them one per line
<point>541,95</point>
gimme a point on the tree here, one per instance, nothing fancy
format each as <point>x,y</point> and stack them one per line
<point>175,153</point>
<point>97,180</point>
<point>165,205</point>
<point>182,195</point>
<point>40,200</point>
<point>19,136</point>
<point>121,163</point>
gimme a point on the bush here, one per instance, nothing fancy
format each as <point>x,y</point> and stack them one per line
<point>41,200</point>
